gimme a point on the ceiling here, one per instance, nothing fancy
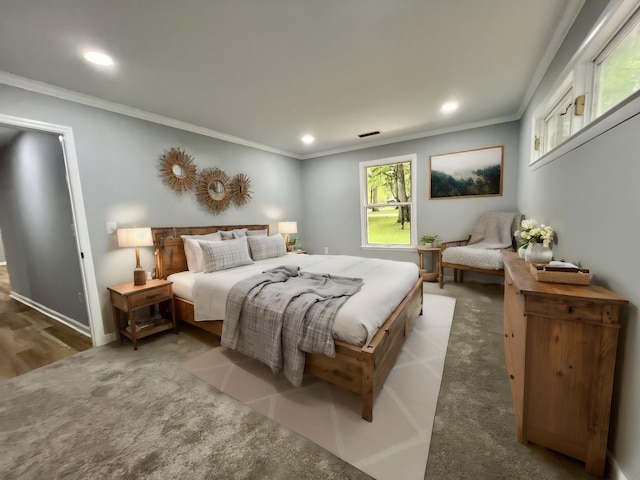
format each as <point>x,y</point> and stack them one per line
<point>264,73</point>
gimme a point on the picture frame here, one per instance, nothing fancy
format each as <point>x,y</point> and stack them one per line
<point>468,173</point>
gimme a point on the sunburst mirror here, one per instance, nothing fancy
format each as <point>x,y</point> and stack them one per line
<point>214,190</point>
<point>178,170</point>
<point>240,189</point>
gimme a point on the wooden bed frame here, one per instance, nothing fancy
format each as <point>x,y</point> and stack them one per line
<point>361,370</point>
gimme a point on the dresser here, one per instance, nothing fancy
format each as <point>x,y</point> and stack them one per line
<point>560,346</point>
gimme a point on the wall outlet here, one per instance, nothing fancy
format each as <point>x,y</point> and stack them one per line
<point>326,250</point>
<point>111,228</point>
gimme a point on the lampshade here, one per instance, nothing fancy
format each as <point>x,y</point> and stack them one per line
<point>288,227</point>
<point>135,237</point>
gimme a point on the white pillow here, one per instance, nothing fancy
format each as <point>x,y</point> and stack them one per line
<point>267,247</point>
<point>193,252</point>
<point>253,233</point>
<point>223,255</point>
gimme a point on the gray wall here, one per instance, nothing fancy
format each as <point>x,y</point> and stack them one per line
<point>118,160</point>
<point>332,192</point>
<point>37,221</point>
<point>591,196</point>
<point>2,255</point>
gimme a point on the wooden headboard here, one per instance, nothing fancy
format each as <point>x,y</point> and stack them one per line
<point>169,247</point>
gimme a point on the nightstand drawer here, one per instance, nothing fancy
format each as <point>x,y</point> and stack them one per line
<point>144,298</point>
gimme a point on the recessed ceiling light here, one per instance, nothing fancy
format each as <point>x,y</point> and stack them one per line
<point>98,58</point>
<point>308,139</point>
<point>449,107</point>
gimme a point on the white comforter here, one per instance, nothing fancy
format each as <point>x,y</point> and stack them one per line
<point>385,285</point>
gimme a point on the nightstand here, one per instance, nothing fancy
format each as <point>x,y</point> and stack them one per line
<point>425,274</point>
<point>127,298</point>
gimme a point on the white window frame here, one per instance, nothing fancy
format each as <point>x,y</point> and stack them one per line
<point>364,202</point>
<point>561,109</point>
<point>615,41</point>
<point>579,75</point>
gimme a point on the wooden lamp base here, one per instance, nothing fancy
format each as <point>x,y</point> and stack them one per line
<point>139,276</point>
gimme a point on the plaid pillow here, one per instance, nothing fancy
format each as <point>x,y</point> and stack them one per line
<point>193,251</point>
<point>267,247</point>
<point>223,255</point>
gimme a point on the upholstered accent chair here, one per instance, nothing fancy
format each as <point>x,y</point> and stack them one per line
<point>480,251</point>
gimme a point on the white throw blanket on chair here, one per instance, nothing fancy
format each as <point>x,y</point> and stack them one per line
<point>492,232</point>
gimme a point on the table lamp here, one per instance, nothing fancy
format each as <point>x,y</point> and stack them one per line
<point>287,228</point>
<point>136,237</point>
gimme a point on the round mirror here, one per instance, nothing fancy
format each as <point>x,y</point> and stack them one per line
<point>240,186</point>
<point>216,190</point>
<point>213,190</point>
<point>178,171</point>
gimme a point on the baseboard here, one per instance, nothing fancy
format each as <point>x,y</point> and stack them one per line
<point>57,316</point>
<point>615,472</point>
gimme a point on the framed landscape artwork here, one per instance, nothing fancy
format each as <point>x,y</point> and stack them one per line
<point>472,173</point>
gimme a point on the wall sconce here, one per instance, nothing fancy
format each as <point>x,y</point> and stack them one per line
<point>136,237</point>
<point>287,228</point>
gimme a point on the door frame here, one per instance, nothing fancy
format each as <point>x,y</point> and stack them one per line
<point>83,242</point>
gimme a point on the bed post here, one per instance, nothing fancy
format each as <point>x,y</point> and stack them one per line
<point>368,392</point>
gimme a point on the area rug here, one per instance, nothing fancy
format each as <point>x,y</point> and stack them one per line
<point>398,438</point>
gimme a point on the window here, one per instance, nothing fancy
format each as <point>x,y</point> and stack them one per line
<point>618,68</point>
<point>557,124</point>
<point>388,207</point>
<point>604,72</point>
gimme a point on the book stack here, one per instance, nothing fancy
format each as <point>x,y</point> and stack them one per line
<point>146,323</point>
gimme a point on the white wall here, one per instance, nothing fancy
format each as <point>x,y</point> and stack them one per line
<point>332,196</point>
<point>118,159</point>
<point>591,196</point>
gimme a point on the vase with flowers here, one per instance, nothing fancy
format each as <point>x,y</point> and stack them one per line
<point>537,240</point>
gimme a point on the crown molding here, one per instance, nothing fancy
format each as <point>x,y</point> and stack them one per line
<point>69,95</point>
<point>415,136</point>
<point>569,16</point>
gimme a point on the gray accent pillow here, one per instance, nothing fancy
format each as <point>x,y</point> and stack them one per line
<point>253,233</point>
<point>193,252</point>
<point>231,234</point>
<point>267,247</point>
<point>223,255</point>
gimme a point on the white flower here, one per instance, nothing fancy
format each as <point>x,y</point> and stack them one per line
<point>531,233</point>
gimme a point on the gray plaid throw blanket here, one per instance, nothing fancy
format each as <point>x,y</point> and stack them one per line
<point>279,314</point>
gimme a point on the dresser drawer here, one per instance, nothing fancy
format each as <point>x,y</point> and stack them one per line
<point>150,297</point>
<point>565,309</point>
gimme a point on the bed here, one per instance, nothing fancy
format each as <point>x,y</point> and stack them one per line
<point>358,366</point>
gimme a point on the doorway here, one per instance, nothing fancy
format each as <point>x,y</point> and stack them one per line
<point>52,242</point>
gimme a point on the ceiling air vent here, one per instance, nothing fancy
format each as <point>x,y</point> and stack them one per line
<point>368,134</point>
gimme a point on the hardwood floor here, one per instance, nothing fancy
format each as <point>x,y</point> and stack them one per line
<point>29,339</point>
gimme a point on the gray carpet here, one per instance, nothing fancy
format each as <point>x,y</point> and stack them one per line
<point>112,412</point>
<point>474,434</point>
